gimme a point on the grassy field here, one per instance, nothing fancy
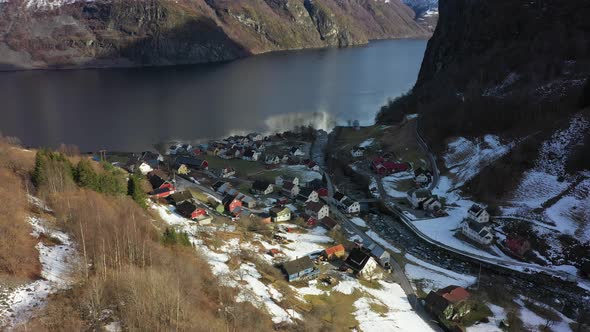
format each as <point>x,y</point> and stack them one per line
<point>401,141</point>
<point>242,167</point>
<point>336,309</point>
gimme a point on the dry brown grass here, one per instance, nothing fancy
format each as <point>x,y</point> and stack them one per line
<point>148,286</point>
<point>18,256</point>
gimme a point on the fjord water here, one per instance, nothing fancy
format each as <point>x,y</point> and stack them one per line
<point>131,109</point>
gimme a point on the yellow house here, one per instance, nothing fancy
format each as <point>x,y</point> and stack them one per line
<point>183,170</point>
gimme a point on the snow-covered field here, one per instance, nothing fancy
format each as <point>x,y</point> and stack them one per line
<point>394,184</point>
<point>466,158</point>
<point>432,277</point>
<point>399,316</point>
<point>57,264</point>
<point>568,196</point>
<point>303,172</point>
<point>359,222</point>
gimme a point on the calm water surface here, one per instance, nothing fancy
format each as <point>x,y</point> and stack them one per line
<point>131,109</point>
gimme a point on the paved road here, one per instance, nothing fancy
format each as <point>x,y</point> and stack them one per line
<point>431,161</point>
<point>398,272</point>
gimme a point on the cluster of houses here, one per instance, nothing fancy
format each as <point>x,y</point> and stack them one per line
<point>362,261</point>
<point>422,198</point>
<point>234,202</point>
<point>162,186</point>
<point>448,304</point>
<point>476,226</point>
<point>188,207</point>
<point>249,147</point>
<point>143,163</point>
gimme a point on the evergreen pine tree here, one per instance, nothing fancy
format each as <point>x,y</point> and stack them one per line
<point>135,191</point>
<point>85,175</point>
<point>40,171</point>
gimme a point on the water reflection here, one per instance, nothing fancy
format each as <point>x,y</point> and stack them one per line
<point>130,109</point>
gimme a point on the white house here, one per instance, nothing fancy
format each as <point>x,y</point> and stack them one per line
<point>145,168</point>
<point>227,172</point>
<point>351,207</point>
<point>255,137</point>
<point>262,187</point>
<point>357,152</point>
<point>251,155</point>
<point>291,189</point>
<point>478,214</point>
<point>317,210</point>
<point>477,232</point>
<point>309,195</point>
<point>296,152</point>
<point>432,204</point>
<point>282,179</point>
<point>417,196</point>
<point>272,160</point>
<point>280,215</point>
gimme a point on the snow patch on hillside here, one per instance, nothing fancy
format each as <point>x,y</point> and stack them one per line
<point>57,262</point>
<point>548,178</point>
<point>465,158</point>
<point>432,277</point>
<point>49,4</point>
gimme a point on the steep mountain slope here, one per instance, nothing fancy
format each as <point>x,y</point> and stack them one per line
<point>516,71</point>
<point>495,65</point>
<point>64,33</point>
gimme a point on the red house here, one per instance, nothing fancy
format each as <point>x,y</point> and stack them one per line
<point>231,203</point>
<point>322,192</point>
<point>382,167</point>
<point>163,192</point>
<point>518,246</point>
<point>190,211</point>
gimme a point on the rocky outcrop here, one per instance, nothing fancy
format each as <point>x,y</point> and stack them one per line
<point>71,33</point>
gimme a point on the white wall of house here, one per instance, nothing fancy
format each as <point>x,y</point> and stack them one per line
<point>354,208</point>
<point>473,235</point>
<point>483,217</point>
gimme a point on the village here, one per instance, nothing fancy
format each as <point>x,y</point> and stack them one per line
<point>305,231</point>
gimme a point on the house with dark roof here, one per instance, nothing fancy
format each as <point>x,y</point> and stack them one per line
<point>360,262</point>
<point>218,185</point>
<point>180,197</point>
<point>478,214</point>
<point>290,189</point>
<point>158,179</point>
<point>299,269</point>
<point>162,192</point>
<point>328,223</point>
<point>308,195</point>
<point>445,302</point>
<point>350,206</point>
<point>260,187</point>
<point>338,198</point>
<point>477,232</point>
<point>231,203</point>
<point>190,210</point>
<point>192,163</point>
<point>317,210</point>
<point>315,184</point>
<point>251,155</point>
<point>280,214</point>
<point>422,176</point>
<point>417,196</point>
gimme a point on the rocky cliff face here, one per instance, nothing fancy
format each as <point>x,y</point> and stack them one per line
<point>494,65</point>
<point>71,33</point>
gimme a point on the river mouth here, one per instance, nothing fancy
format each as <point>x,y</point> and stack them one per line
<point>131,109</point>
